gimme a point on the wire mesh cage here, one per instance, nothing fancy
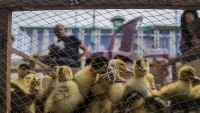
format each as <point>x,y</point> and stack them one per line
<point>71,56</point>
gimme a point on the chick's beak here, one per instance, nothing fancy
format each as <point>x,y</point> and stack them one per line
<point>121,79</point>
<point>32,72</point>
<point>153,86</point>
<point>196,78</point>
<point>129,71</point>
<point>65,77</point>
<point>36,88</point>
<point>144,68</point>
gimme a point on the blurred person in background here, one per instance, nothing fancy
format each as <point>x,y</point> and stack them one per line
<point>66,50</point>
<point>188,41</point>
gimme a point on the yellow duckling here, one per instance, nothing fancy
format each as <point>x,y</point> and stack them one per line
<point>66,96</point>
<point>138,84</point>
<point>179,90</point>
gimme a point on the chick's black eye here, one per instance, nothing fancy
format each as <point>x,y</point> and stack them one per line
<point>138,62</point>
<point>188,72</point>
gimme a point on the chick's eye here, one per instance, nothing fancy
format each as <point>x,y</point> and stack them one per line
<point>122,64</point>
<point>188,72</point>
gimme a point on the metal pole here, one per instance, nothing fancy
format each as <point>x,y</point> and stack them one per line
<point>93,28</point>
<point>176,21</point>
<point>94,16</point>
<point>76,20</point>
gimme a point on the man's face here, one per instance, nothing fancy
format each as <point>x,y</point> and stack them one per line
<point>60,31</point>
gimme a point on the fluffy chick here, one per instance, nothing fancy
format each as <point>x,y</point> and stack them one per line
<point>178,91</point>
<point>66,96</point>
<point>23,95</point>
<point>137,83</point>
<point>109,89</point>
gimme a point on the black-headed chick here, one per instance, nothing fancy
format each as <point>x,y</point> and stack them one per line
<point>22,71</point>
<point>108,89</point>
<point>23,95</point>
<point>85,78</point>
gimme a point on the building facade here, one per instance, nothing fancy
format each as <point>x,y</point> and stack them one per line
<point>36,40</point>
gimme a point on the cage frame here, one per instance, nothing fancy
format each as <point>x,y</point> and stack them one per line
<point>8,6</point>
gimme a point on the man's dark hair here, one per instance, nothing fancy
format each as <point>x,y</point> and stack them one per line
<point>184,31</point>
<point>57,26</point>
